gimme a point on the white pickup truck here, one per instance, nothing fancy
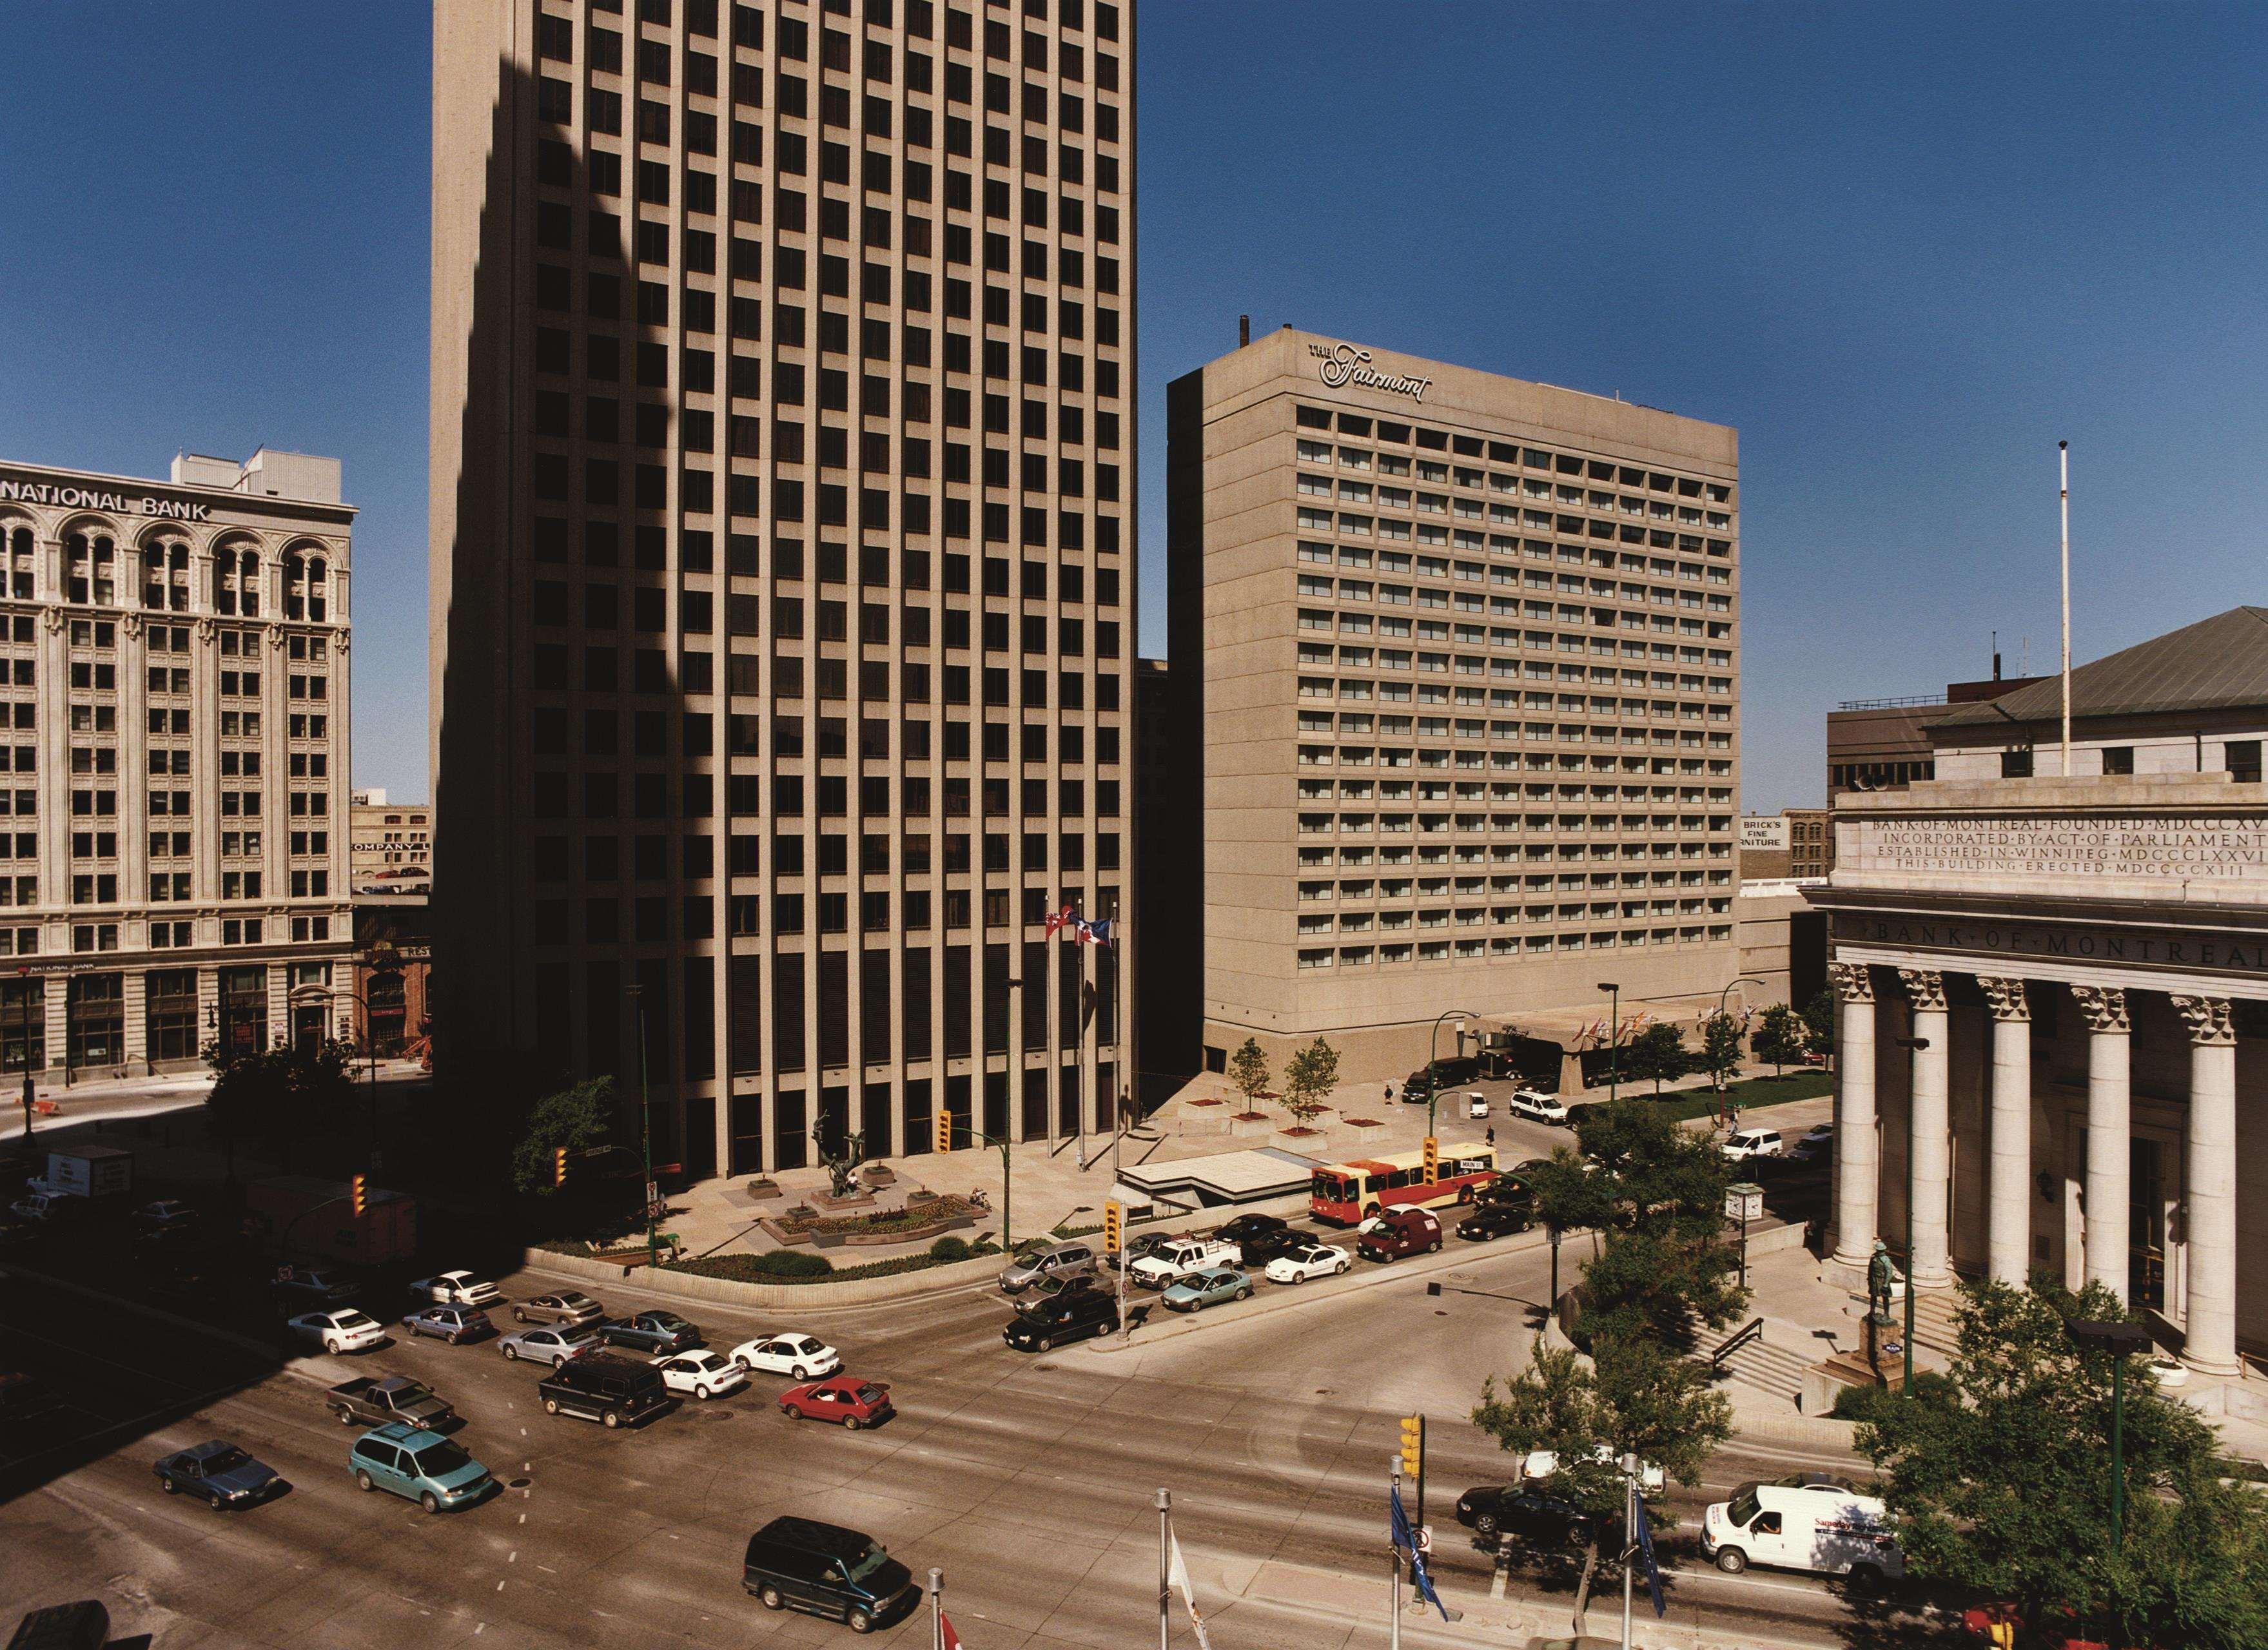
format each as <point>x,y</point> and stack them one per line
<point>1172,1262</point>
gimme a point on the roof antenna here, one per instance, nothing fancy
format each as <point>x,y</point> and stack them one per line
<point>1996,655</point>
<point>1243,331</point>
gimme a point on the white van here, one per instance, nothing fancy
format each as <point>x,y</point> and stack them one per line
<point>1544,1108</point>
<point>1821,1528</point>
<point>1476,1104</point>
<point>1745,1143</point>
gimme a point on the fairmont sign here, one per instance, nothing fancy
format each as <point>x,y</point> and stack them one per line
<point>65,496</point>
<point>1342,364</point>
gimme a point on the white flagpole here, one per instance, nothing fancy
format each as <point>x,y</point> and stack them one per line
<point>2063,461</point>
<point>937,1610</point>
<point>1394,1590</point>
<point>1165,1571</point>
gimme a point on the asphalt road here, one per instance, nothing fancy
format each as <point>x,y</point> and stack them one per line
<point>1029,1481</point>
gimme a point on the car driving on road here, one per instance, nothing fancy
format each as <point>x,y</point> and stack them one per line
<point>1742,1144</point>
<point>849,1404</point>
<point>1260,1238</point>
<point>1208,1287</point>
<point>341,1331</point>
<point>457,1288</point>
<point>434,1471</point>
<point>1522,1510</point>
<point>1309,1260</point>
<point>560,1307</point>
<point>824,1569</point>
<point>800,1357</point>
<point>1044,1261</point>
<point>599,1387</point>
<point>548,1345</point>
<point>1541,1108</point>
<point>1494,1219</point>
<point>701,1374</point>
<point>1074,1314</point>
<point>651,1332</point>
<point>217,1473</point>
<point>451,1324</point>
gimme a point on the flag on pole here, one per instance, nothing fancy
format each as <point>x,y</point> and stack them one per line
<point>1177,1574</point>
<point>1646,1558</point>
<point>1058,920</point>
<point>1406,1538</point>
<point>946,1638</point>
<point>1102,931</point>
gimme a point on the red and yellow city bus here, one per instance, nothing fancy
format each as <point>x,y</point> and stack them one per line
<point>1345,1194</point>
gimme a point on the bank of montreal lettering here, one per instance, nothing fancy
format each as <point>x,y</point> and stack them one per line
<point>12,491</point>
<point>2235,954</point>
<point>2231,846</point>
<point>1344,364</point>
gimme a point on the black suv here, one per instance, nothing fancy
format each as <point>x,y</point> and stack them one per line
<point>1442,1074</point>
<point>1074,1314</point>
<point>599,1387</point>
<point>801,1563</point>
<point>1260,1237</point>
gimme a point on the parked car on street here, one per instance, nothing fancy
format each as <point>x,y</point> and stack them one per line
<point>703,1375</point>
<point>217,1473</point>
<point>433,1471</point>
<point>341,1329</point>
<point>826,1569</point>
<point>1400,1232</point>
<point>375,1400</point>
<point>452,1323</point>
<point>599,1387</point>
<point>550,1344</point>
<point>1208,1287</point>
<point>560,1307</point>
<point>651,1332</point>
<point>1541,1108</point>
<point>1742,1144</point>
<point>1047,1261</point>
<point>1172,1262</point>
<point>1260,1238</point>
<point>850,1404</point>
<point>1309,1260</point>
<point>1535,1517</point>
<point>457,1288</point>
<point>800,1357</point>
<point>1074,1314</point>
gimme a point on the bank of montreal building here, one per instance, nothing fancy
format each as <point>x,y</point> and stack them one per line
<point>174,683</point>
<point>1461,652</point>
<point>782,559</point>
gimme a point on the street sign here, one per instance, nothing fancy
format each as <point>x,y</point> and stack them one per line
<point>1744,1200</point>
<point>652,1193</point>
<point>1425,1539</point>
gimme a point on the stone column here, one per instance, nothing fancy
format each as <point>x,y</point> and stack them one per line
<point>1930,1137</point>
<point>1858,1153</point>
<point>2008,1191</point>
<point>2210,1187</point>
<point>2108,1135</point>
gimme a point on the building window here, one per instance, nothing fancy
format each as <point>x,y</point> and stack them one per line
<point>2243,758</point>
<point>2117,758</point>
<point>98,1020</point>
<point>2017,764</point>
<point>22,1024</point>
<point>172,1014</point>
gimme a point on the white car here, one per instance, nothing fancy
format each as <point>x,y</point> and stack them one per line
<point>1542,1463</point>
<point>798,1357</point>
<point>1476,1104</point>
<point>457,1288</point>
<point>342,1331</point>
<point>1315,1260</point>
<point>1544,1108</point>
<point>704,1373</point>
<point>1742,1144</point>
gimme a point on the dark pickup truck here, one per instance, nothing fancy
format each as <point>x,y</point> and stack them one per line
<point>374,1401</point>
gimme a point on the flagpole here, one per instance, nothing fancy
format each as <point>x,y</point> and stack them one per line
<point>1394,1575</point>
<point>1165,1582</point>
<point>2063,466</point>
<point>1630,1540</point>
<point>937,1610</point>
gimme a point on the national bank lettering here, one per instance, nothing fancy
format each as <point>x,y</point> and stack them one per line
<point>14,491</point>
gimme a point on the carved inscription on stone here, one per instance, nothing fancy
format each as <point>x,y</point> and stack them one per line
<point>2224,847</point>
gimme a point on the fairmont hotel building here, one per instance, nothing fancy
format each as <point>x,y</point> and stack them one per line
<point>174,765</point>
<point>1460,656</point>
<point>782,543</point>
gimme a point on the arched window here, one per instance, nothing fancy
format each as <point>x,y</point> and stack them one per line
<point>89,563</point>
<point>165,576</point>
<point>318,601</point>
<point>305,596</point>
<point>236,582</point>
<point>20,563</point>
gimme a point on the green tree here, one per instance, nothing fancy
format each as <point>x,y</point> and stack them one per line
<point>1721,1049</point>
<point>1308,1077</point>
<point>1248,1071</point>
<point>1780,1036</point>
<point>579,1118</point>
<point>1634,1398</point>
<point>1657,1054</point>
<point>1999,1481</point>
<point>279,1095</point>
<point>1819,1023</point>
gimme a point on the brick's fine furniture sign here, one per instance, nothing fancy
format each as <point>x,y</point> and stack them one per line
<point>2233,847</point>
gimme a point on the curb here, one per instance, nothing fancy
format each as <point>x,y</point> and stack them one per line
<point>693,1286</point>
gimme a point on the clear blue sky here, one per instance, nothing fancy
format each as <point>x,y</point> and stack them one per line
<point>1904,248</point>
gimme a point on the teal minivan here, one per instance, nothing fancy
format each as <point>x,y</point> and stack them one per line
<point>423,1466</point>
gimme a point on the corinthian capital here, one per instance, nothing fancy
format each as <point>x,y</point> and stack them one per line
<point>1926,986</point>
<point>2208,1020</point>
<point>1854,982</point>
<point>2008,998</point>
<point>2104,1007</point>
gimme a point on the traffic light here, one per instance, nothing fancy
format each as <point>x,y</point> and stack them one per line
<point>1432,1160</point>
<point>1413,1445</point>
<point>1114,1234</point>
<point>357,1191</point>
<point>941,1131</point>
<point>559,1165</point>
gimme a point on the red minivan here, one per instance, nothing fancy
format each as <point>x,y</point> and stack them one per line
<point>1400,1232</point>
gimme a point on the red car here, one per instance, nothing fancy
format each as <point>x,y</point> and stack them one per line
<point>855,1404</point>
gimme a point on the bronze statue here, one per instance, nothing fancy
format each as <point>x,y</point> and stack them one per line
<point>843,1171</point>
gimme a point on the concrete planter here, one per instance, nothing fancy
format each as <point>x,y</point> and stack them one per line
<point>923,1234</point>
<point>1247,1124</point>
<point>1202,1116</point>
<point>1306,1142</point>
<point>1362,1128</point>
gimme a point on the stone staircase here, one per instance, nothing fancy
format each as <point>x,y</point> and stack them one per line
<point>1933,1319</point>
<point>1775,1371</point>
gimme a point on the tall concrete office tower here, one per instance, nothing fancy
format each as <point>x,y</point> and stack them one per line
<point>783,550</point>
<point>1462,656</point>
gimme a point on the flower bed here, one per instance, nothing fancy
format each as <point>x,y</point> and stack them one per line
<point>932,1218</point>
<point>797,1267</point>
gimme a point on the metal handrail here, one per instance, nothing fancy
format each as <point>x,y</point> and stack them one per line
<point>1892,704</point>
<point>1752,1330</point>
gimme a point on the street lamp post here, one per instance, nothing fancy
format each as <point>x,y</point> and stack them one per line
<point>1915,1044</point>
<point>1742,980</point>
<point>645,1123</point>
<point>1614,990</point>
<point>2120,1339</point>
<point>1433,1055</point>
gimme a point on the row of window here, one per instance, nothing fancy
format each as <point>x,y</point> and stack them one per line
<point>603,861</point>
<point>1506,945</point>
<point>92,562</point>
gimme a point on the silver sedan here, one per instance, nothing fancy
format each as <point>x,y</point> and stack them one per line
<point>547,1346</point>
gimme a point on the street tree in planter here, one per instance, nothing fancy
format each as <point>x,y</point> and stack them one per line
<point>1632,1395</point>
<point>1998,1479</point>
<point>1721,1049</point>
<point>1657,1055</point>
<point>1309,1076</point>
<point>577,1118</point>
<point>1779,1038</point>
<point>1248,1072</point>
